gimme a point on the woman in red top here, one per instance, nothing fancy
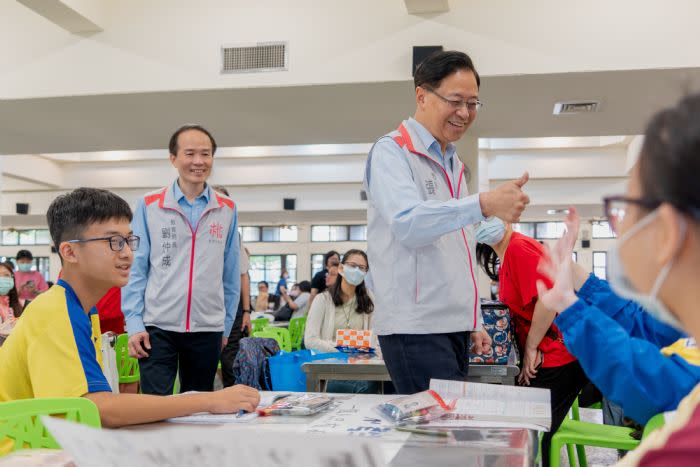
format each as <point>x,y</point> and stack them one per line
<point>546,362</point>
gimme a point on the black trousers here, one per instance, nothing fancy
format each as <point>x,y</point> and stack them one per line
<point>413,359</point>
<point>195,354</point>
<point>565,383</point>
<point>228,354</point>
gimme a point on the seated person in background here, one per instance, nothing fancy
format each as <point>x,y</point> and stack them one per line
<point>262,301</point>
<point>344,305</point>
<point>54,351</point>
<point>627,353</point>
<point>655,262</point>
<point>319,282</point>
<point>296,301</point>
<point>10,303</point>
<point>29,283</point>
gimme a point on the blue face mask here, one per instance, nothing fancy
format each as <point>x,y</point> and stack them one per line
<point>24,267</point>
<point>354,276</point>
<point>6,284</point>
<point>491,231</point>
<point>620,283</point>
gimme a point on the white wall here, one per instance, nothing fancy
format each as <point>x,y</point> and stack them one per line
<point>174,44</point>
<point>332,196</point>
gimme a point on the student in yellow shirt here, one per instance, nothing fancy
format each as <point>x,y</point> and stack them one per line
<point>54,351</point>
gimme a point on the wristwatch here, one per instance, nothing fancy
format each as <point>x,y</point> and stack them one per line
<point>246,311</point>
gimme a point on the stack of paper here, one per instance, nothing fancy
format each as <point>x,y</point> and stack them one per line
<point>492,405</point>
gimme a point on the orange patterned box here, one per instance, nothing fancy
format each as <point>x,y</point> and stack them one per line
<point>353,338</point>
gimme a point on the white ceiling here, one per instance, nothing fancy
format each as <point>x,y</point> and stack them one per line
<point>516,106</point>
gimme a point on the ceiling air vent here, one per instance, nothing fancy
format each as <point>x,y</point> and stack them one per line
<point>576,107</point>
<point>265,56</point>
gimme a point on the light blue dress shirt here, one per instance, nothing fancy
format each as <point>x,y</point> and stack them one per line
<point>414,221</point>
<point>133,293</point>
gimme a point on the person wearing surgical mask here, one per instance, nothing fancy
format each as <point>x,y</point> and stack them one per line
<point>512,259</point>
<point>10,304</point>
<point>656,260</point>
<point>626,352</point>
<point>30,283</point>
<point>345,305</point>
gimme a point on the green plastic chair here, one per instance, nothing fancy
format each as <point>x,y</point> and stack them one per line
<point>259,324</point>
<point>20,420</point>
<point>281,335</point>
<point>575,432</point>
<point>127,367</point>
<point>296,331</point>
<point>655,423</point>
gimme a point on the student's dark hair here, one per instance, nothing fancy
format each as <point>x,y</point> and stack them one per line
<point>221,189</point>
<point>24,254</point>
<point>328,256</point>
<point>264,283</point>
<point>364,303</point>
<point>440,65</point>
<point>70,214</point>
<point>304,286</point>
<point>12,294</point>
<point>173,147</point>
<point>669,162</point>
<point>488,260</point>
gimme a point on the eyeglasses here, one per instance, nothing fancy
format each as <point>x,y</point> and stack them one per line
<point>472,106</point>
<point>116,242</point>
<point>615,208</point>
<point>358,266</point>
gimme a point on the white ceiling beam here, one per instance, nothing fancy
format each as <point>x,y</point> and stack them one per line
<point>33,169</point>
<point>420,7</point>
<point>75,16</point>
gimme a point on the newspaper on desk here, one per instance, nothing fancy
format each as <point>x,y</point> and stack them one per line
<point>493,406</point>
<point>189,446</point>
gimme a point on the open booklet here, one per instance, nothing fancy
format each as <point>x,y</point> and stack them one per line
<point>492,405</point>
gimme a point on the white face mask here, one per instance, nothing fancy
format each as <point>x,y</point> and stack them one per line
<point>490,231</point>
<point>621,284</point>
<point>354,276</point>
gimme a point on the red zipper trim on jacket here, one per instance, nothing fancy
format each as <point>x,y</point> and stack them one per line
<point>405,140</point>
<point>194,238</point>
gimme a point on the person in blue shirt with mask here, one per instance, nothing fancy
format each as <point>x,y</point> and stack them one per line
<point>626,352</point>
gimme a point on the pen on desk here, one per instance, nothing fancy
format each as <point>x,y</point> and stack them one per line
<point>421,431</point>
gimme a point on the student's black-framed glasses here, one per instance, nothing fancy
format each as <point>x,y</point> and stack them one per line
<point>116,242</point>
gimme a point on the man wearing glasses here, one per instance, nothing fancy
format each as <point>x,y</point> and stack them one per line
<point>420,235</point>
<point>184,286</point>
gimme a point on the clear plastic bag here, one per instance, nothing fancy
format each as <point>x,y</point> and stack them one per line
<point>421,407</point>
